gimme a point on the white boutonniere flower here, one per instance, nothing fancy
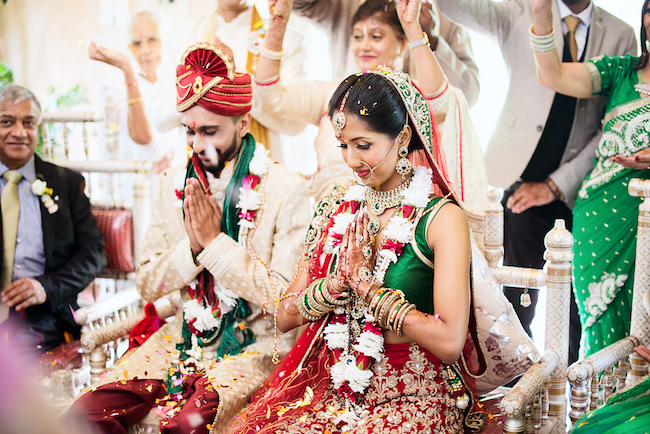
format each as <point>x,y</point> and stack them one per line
<point>39,188</point>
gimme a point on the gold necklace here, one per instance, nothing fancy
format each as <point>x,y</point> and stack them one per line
<point>379,201</point>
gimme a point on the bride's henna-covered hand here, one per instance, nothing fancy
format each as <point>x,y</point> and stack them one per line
<point>357,240</point>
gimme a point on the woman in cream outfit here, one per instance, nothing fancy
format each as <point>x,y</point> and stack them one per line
<point>377,39</point>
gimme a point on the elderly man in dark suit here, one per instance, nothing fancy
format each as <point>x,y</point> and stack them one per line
<point>51,246</point>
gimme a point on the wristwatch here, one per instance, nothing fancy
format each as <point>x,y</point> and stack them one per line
<point>423,41</point>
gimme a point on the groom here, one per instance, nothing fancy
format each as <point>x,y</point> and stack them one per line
<point>227,231</point>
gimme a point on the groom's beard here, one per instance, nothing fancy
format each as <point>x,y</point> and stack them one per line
<point>222,158</point>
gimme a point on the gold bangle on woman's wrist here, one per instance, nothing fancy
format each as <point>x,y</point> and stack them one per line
<point>135,100</point>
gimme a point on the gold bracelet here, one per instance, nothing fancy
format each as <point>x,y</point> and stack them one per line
<point>134,100</point>
<point>400,322</point>
<point>397,312</point>
<point>385,304</point>
<point>383,296</point>
<point>394,305</point>
<point>329,297</point>
<point>316,307</point>
<point>375,299</point>
<point>303,310</point>
<point>319,295</point>
<point>392,313</point>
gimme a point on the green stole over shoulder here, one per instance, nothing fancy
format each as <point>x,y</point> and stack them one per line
<point>205,289</point>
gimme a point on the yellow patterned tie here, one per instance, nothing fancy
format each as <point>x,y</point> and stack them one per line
<point>10,204</point>
<point>572,24</point>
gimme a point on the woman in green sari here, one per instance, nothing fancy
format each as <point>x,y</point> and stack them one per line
<point>605,215</point>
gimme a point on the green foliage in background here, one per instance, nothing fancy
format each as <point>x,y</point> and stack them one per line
<point>6,74</point>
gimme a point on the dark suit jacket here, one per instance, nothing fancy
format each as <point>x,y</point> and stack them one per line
<point>74,253</point>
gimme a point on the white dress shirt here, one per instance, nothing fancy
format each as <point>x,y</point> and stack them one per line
<point>583,28</point>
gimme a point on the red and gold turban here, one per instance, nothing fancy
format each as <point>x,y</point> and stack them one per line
<point>207,77</point>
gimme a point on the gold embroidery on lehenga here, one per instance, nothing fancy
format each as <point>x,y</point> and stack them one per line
<point>428,406</point>
<point>382,388</point>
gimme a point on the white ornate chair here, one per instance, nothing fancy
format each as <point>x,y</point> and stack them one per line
<point>123,224</point>
<point>611,369</point>
<point>536,404</point>
<point>61,129</point>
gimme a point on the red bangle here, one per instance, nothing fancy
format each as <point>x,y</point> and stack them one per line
<point>131,83</point>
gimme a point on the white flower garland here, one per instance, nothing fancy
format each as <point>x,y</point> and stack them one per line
<point>370,342</point>
<point>250,196</point>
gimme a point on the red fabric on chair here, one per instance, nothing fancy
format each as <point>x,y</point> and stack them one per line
<point>145,328</point>
<point>117,228</point>
<point>65,356</point>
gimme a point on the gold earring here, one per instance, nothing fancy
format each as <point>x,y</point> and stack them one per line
<point>403,166</point>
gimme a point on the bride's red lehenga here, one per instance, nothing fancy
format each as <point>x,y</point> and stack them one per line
<point>411,390</point>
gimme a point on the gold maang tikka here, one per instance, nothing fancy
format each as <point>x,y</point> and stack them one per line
<point>339,118</point>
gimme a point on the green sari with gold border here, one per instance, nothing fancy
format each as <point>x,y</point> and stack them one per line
<point>605,216</point>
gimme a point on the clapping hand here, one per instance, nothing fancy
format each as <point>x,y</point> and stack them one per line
<point>202,216</point>
<point>105,55</point>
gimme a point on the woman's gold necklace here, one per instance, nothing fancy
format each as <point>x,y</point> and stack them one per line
<point>379,201</point>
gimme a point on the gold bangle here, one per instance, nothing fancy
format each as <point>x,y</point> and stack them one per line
<point>386,303</point>
<point>396,302</point>
<point>134,100</point>
<point>375,299</point>
<point>398,313</point>
<point>303,310</point>
<point>400,323</point>
<point>327,295</point>
<point>317,308</point>
<point>319,295</point>
<point>392,313</point>
<point>385,295</point>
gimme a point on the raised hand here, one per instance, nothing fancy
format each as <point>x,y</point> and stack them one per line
<point>280,9</point>
<point>107,56</point>
<point>408,12</point>
<point>429,19</point>
<point>541,4</point>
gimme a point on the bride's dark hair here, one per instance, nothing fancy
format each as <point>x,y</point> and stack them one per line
<point>373,99</point>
